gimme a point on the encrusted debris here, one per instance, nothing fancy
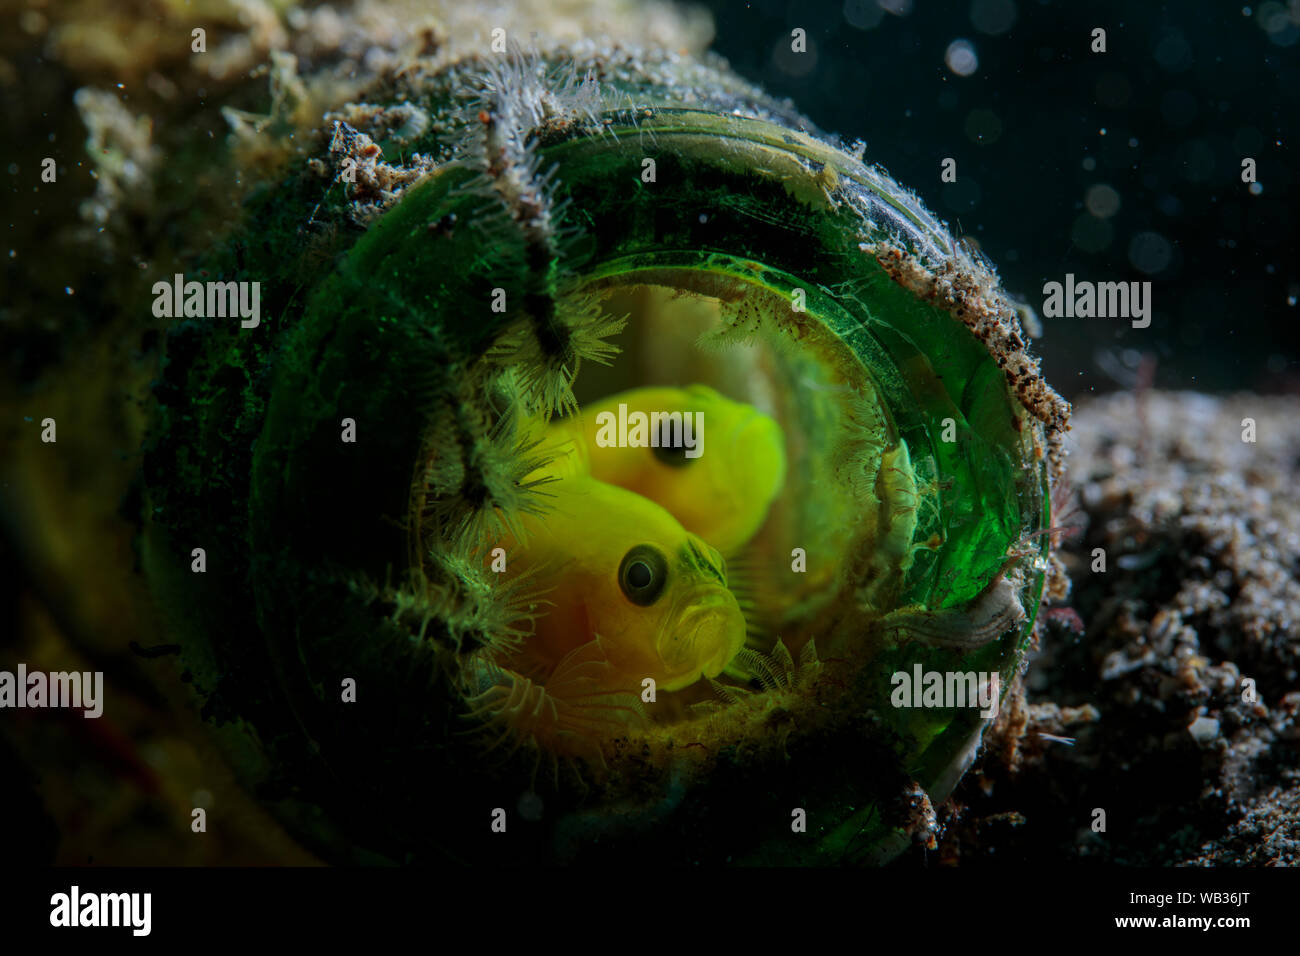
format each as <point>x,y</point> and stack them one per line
<point>121,145</point>
<point>372,184</point>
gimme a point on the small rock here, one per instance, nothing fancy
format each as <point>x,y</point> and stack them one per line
<point>1204,729</point>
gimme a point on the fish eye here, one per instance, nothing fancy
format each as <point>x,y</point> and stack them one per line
<point>674,456</point>
<point>643,574</point>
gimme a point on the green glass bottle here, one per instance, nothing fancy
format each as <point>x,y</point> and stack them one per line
<point>512,238</point>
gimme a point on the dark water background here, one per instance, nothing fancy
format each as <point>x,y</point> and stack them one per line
<point>1159,124</point>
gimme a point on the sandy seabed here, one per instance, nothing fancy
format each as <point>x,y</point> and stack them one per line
<point>1149,674</point>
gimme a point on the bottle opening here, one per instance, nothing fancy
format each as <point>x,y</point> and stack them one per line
<point>731,411</point>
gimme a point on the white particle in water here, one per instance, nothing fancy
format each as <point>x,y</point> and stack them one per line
<point>961,58</point>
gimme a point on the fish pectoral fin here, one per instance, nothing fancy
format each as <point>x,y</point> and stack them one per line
<point>590,696</point>
<point>567,713</point>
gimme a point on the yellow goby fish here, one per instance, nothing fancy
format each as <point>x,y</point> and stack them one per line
<point>633,595</point>
<point>722,494</point>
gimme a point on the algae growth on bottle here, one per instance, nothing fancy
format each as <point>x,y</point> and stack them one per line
<point>435,593</point>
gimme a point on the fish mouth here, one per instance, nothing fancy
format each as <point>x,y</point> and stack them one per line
<point>700,637</point>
